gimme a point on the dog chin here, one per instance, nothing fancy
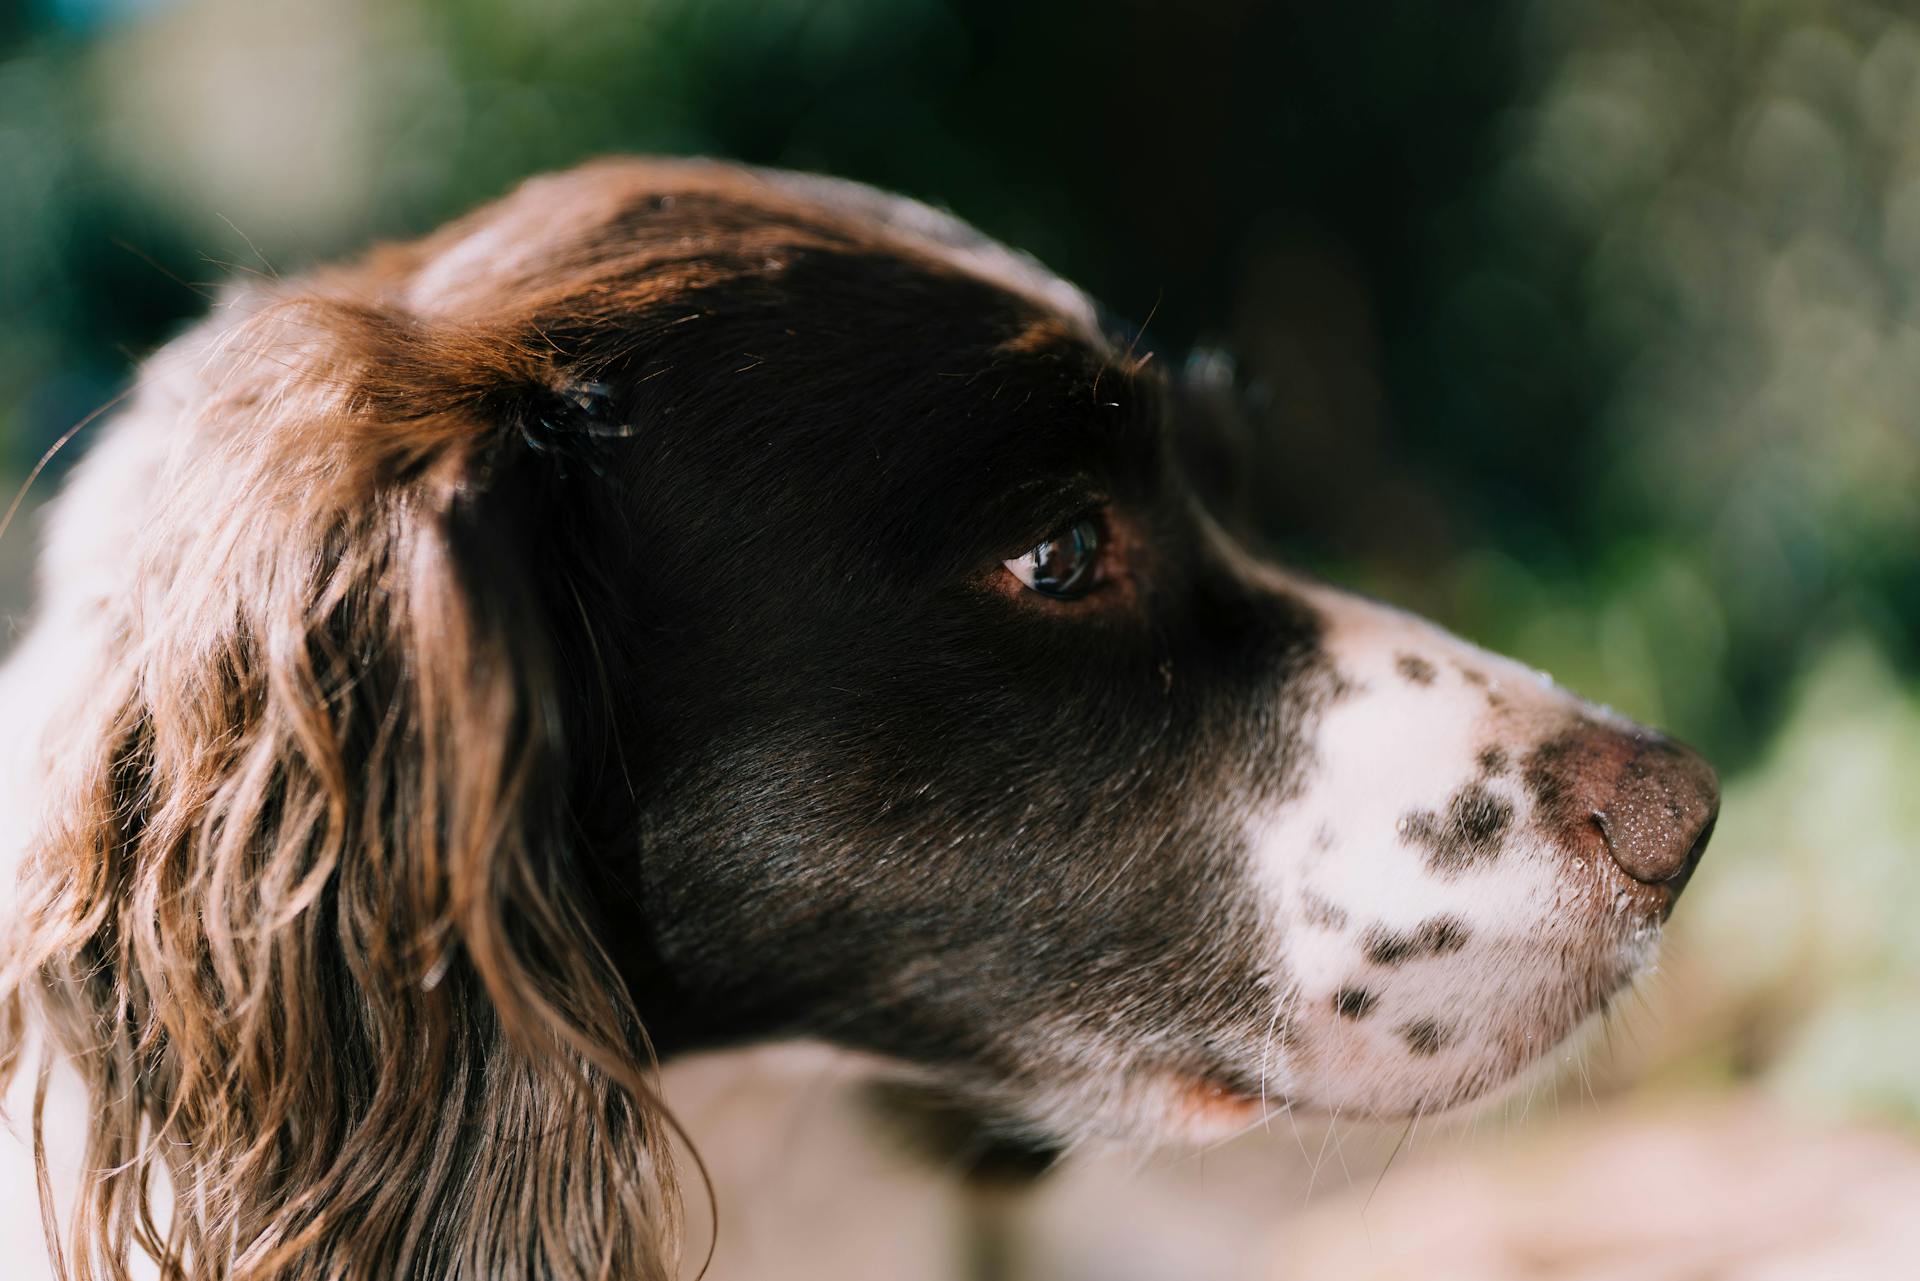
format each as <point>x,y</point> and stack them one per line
<point>1500,1053</point>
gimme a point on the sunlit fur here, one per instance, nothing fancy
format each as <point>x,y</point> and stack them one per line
<point>297,899</point>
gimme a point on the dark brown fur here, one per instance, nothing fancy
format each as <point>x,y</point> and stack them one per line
<point>471,602</point>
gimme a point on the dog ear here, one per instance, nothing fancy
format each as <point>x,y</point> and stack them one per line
<point>307,912</point>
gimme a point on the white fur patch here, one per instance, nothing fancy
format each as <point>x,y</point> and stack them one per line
<point>1412,978</point>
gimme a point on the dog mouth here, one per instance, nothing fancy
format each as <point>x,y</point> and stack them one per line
<point>1208,1103</point>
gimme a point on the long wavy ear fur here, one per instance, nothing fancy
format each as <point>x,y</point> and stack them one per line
<point>304,908</point>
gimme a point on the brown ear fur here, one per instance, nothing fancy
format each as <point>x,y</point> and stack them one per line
<point>304,913</point>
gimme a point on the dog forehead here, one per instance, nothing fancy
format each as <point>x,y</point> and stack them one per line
<point>685,208</point>
<point>955,242</point>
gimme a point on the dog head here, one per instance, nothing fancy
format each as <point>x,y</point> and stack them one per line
<point>755,606</point>
<point>971,740</point>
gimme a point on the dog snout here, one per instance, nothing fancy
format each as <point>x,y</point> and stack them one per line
<point>1654,802</point>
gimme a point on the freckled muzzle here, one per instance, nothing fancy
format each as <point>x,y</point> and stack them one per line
<point>1476,861</point>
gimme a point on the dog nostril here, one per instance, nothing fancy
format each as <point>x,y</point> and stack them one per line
<point>1660,814</point>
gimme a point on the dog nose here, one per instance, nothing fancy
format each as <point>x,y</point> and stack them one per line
<point>1658,812</point>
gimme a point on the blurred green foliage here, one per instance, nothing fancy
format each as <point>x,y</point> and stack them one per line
<point>1811,940</point>
<point>1588,326</point>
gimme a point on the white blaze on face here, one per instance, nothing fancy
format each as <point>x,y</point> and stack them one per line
<point>1426,927</point>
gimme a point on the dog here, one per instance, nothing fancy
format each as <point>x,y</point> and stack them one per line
<point>682,605</point>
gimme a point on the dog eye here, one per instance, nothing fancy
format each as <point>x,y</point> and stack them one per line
<point>1064,566</point>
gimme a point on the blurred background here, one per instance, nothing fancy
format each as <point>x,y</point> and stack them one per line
<point>1589,327</point>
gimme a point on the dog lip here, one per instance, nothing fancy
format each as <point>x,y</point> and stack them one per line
<point>1217,1102</point>
<point>1219,1080</point>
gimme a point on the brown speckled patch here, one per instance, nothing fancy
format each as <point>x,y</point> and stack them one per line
<point>1415,669</point>
<point>1469,832</point>
<point>1436,937</point>
<point>1424,1037</point>
<point>1322,913</point>
<point>1354,1002</point>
